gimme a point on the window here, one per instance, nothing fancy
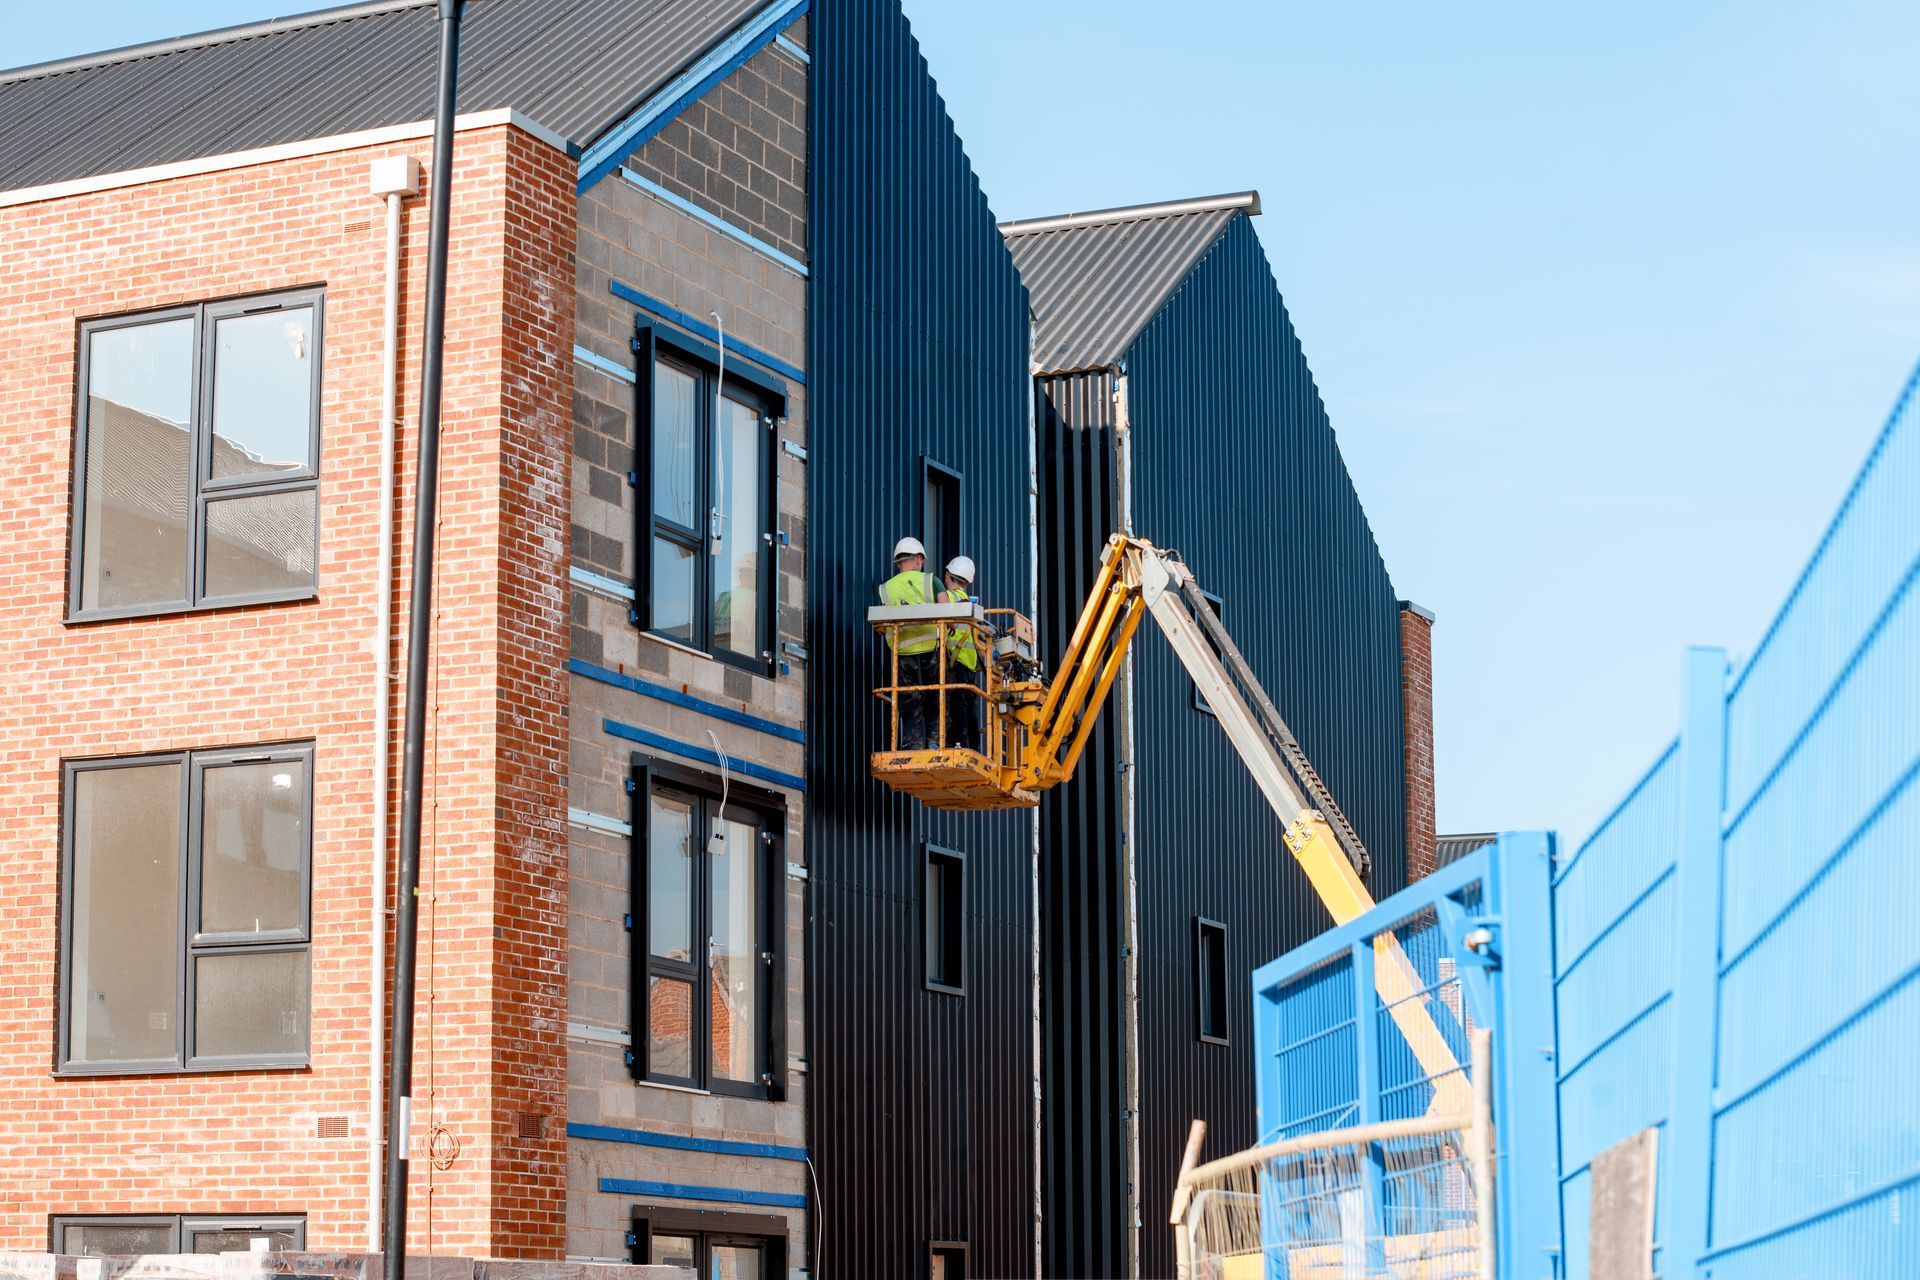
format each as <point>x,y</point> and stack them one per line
<point>1210,978</point>
<point>714,1245</point>
<point>184,906</point>
<point>98,1236</point>
<point>705,551</point>
<point>707,890</point>
<point>941,531</point>
<point>946,1260</point>
<point>946,903</point>
<point>196,457</point>
<point>1199,700</point>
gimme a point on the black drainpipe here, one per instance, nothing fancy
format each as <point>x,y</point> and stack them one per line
<point>419,627</point>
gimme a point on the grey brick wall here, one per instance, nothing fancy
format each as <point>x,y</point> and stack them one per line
<point>742,151</point>
<point>628,235</point>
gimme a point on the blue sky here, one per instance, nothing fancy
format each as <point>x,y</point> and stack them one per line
<point>1607,301</point>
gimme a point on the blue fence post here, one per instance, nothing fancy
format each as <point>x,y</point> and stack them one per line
<point>1686,1195</point>
<point>1366,1042</point>
<point>1526,1114</point>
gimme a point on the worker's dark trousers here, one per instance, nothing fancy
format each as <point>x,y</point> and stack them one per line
<point>963,708</point>
<point>918,708</point>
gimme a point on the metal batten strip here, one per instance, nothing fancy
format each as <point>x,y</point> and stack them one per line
<point>668,694</point>
<point>590,821</point>
<point>705,755</point>
<point>673,315</point>
<point>612,368</point>
<point>680,1142</point>
<point>692,1191</point>
<point>657,112</point>
<point>714,220</point>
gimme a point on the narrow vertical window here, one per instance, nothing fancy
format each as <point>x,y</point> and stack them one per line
<point>705,525</point>
<point>197,458</point>
<point>946,915</point>
<point>940,524</point>
<point>705,887</point>
<point>1199,699</point>
<point>1210,979</point>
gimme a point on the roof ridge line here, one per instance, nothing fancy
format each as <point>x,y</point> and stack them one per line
<point>203,39</point>
<point>1248,200</point>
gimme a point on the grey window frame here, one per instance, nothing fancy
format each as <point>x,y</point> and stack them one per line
<point>202,492</point>
<point>768,809</point>
<point>929,854</point>
<point>193,945</point>
<point>1202,926</point>
<point>184,1226</point>
<point>937,475</point>
<point>745,386</point>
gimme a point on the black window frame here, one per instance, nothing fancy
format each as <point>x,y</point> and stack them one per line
<point>184,1226</point>
<point>743,384</point>
<point>1219,604</point>
<point>710,1227</point>
<point>1202,979</point>
<point>934,474</point>
<point>953,928</point>
<point>192,943</point>
<point>202,491</point>
<point>645,776</point>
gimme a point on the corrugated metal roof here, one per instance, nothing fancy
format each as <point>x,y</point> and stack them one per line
<point>1450,849</point>
<point>576,66</point>
<point>1097,278</point>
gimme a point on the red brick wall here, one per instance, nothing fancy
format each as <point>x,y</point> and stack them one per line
<point>246,1141</point>
<point>1416,700</point>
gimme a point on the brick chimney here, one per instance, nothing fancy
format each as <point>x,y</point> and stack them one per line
<point>1416,703</point>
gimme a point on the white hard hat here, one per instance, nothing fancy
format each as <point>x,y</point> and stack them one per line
<point>908,547</point>
<point>961,567</point>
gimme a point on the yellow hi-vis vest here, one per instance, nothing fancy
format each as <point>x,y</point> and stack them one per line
<point>960,645</point>
<point>912,588</point>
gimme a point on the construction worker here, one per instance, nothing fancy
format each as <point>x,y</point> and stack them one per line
<point>963,660</point>
<point>919,647</point>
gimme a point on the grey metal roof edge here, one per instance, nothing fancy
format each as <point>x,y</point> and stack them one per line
<point>201,39</point>
<point>1248,200</point>
<point>1408,606</point>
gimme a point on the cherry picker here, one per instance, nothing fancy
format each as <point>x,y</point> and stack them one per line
<point>1035,728</point>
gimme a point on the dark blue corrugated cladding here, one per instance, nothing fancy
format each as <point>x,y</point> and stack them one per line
<point>1083,1061</point>
<point>1236,465</point>
<point>920,1103</point>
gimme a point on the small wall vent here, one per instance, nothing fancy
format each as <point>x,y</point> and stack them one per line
<point>530,1126</point>
<point>332,1127</point>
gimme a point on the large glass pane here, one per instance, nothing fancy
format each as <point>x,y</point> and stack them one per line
<point>263,394</point>
<point>735,1262</point>
<point>240,1239</point>
<point>125,970</point>
<point>253,833</point>
<point>670,878</point>
<point>673,590</point>
<point>737,452</point>
<point>676,480</point>
<point>262,543</point>
<point>111,1239</point>
<point>133,533</point>
<point>669,1027</point>
<point>671,1251</point>
<point>736,969</point>
<point>250,1004</point>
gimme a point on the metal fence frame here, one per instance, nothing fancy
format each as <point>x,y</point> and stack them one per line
<point>1497,898</point>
